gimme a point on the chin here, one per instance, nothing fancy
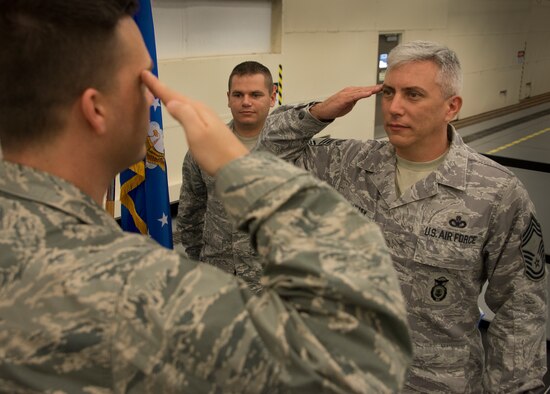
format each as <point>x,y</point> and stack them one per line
<point>140,156</point>
<point>247,121</point>
<point>398,141</point>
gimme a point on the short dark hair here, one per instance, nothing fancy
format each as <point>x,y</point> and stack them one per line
<point>250,68</point>
<point>50,52</point>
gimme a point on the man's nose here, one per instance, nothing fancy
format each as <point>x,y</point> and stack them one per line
<point>246,100</point>
<point>396,105</point>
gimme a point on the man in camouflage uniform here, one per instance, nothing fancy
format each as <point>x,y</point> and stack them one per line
<point>452,219</point>
<point>202,225</point>
<point>85,307</point>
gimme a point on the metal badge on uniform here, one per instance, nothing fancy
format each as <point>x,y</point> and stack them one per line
<point>439,291</point>
<point>458,222</point>
<point>532,250</point>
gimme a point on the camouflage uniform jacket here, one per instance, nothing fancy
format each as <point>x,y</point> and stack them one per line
<point>469,221</point>
<point>85,307</point>
<point>202,225</point>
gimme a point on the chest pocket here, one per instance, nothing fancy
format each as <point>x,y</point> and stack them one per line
<point>448,267</point>
<point>449,250</point>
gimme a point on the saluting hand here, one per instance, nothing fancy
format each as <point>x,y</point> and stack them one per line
<point>211,142</point>
<point>342,102</point>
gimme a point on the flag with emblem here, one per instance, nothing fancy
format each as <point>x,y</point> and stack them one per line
<point>145,203</point>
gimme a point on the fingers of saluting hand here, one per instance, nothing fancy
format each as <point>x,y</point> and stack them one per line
<point>213,145</point>
<point>159,89</point>
<point>356,93</point>
<point>189,113</point>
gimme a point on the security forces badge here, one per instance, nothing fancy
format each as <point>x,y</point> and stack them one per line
<point>439,291</point>
<point>532,250</point>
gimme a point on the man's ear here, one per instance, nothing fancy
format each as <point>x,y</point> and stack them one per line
<point>228,106</point>
<point>94,110</point>
<point>274,95</point>
<point>454,106</point>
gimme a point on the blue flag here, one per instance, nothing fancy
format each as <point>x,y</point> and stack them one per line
<point>145,203</point>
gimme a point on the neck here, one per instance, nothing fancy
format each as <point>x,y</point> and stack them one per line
<point>422,155</point>
<point>68,165</point>
<point>429,151</point>
<point>247,131</point>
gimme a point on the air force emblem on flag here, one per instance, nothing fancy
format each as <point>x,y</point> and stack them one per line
<point>155,147</point>
<point>532,250</point>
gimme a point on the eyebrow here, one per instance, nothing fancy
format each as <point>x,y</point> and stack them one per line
<point>252,92</point>
<point>406,89</point>
<point>417,88</point>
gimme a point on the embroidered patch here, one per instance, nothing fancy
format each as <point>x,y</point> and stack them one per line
<point>458,222</point>
<point>439,291</point>
<point>532,250</point>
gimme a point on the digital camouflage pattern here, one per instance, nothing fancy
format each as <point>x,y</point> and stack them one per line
<point>203,227</point>
<point>87,308</point>
<point>468,222</point>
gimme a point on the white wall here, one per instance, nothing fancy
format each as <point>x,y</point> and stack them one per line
<point>325,45</point>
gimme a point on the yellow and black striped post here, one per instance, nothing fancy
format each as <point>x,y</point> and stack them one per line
<point>280,85</point>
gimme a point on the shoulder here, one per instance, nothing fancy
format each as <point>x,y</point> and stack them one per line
<point>483,168</point>
<point>490,180</point>
<point>478,165</point>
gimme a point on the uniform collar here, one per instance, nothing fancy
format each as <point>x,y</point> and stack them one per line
<point>27,183</point>
<point>378,158</point>
<point>453,171</point>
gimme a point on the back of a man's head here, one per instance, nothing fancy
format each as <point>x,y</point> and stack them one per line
<point>50,52</point>
<point>450,75</point>
<point>250,68</point>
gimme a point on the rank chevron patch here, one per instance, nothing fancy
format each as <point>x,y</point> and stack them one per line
<point>532,249</point>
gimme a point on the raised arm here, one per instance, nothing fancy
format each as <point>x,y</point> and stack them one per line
<point>331,319</point>
<point>292,142</point>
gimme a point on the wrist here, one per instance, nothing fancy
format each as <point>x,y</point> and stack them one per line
<point>316,112</point>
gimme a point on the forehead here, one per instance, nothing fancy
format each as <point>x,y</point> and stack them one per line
<point>131,47</point>
<point>248,82</point>
<point>423,74</point>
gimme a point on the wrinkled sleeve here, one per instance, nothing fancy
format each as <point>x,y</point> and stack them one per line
<point>191,208</point>
<point>289,133</point>
<point>291,123</point>
<point>331,318</point>
<point>288,130</point>
<point>516,354</point>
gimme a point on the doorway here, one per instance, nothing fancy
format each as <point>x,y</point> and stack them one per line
<point>386,42</point>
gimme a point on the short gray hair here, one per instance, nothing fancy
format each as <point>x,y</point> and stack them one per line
<point>450,72</point>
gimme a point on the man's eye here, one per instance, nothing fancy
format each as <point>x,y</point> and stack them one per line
<point>414,95</point>
<point>387,92</point>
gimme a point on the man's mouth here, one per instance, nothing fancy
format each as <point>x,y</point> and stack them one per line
<point>397,126</point>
